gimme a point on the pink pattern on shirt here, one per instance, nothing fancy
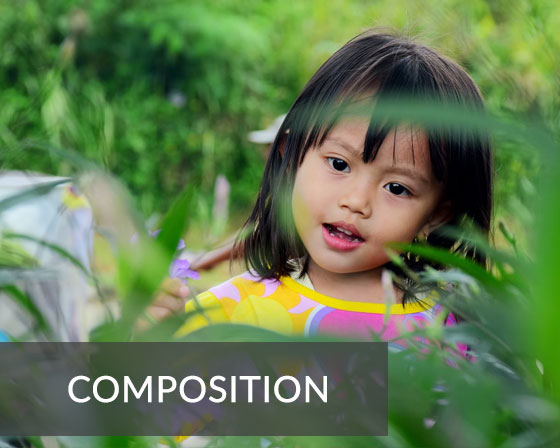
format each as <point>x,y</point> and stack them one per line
<point>303,306</point>
<point>226,290</point>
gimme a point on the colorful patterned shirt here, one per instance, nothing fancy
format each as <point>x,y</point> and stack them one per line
<point>293,307</point>
<point>289,307</point>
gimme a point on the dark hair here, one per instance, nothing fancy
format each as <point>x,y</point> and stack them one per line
<point>371,65</point>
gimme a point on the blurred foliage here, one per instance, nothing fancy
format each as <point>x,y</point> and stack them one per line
<point>507,395</point>
<point>163,93</point>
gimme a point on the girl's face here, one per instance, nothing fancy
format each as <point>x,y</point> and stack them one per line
<point>346,210</point>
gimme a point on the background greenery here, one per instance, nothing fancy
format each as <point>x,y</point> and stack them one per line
<point>162,94</point>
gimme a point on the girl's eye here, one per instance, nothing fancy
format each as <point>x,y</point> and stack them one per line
<point>397,189</point>
<point>338,164</point>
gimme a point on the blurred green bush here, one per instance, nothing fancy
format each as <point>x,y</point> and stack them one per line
<point>163,93</point>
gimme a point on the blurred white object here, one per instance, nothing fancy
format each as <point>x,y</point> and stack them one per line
<point>58,288</point>
<point>269,134</point>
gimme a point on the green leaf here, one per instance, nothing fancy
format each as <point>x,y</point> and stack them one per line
<point>55,248</point>
<point>12,255</point>
<point>30,193</point>
<point>446,258</point>
<point>26,303</point>
<point>175,222</point>
<point>143,266</point>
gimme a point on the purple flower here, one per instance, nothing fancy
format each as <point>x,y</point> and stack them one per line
<point>181,269</point>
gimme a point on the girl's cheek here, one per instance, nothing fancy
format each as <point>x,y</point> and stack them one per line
<point>302,216</point>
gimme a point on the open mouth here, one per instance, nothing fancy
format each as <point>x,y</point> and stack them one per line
<point>343,234</point>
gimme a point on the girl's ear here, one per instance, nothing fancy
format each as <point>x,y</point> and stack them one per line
<point>441,215</point>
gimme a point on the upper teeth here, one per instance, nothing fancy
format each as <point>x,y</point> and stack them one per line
<point>347,232</point>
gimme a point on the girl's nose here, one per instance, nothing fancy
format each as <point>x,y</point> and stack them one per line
<point>357,198</point>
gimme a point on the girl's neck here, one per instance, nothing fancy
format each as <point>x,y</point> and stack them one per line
<point>363,286</point>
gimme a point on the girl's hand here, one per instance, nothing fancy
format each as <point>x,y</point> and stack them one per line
<point>170,299</point>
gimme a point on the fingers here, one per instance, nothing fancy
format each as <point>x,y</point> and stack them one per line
<point>162,307</point>
<point>170,300</point>
<point>175,287</point>
<point>158,313</point>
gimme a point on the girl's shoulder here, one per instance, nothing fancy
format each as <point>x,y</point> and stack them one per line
<point>243,286</point>
<point>217,303</point>
<point>244,299</point>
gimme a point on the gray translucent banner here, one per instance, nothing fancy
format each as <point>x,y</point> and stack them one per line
<point>202,388</point>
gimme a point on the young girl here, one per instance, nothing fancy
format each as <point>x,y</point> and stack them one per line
<point>339,185</point>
